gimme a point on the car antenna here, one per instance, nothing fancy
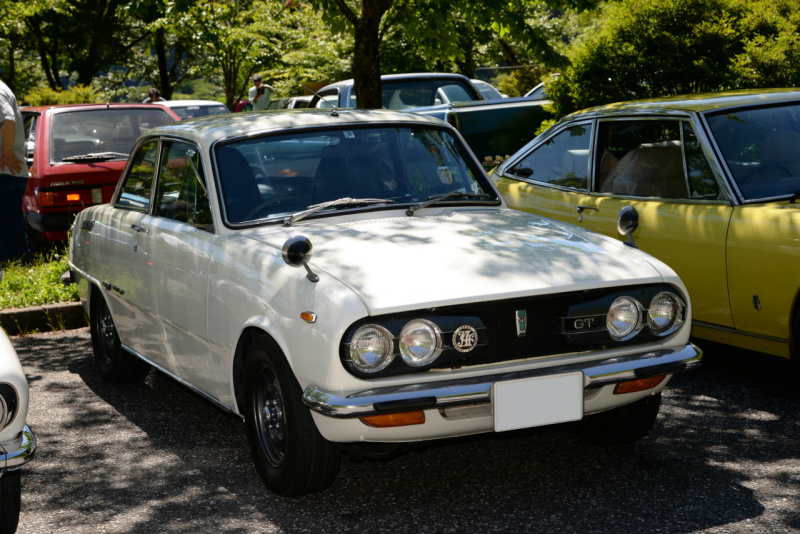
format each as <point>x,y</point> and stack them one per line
<point>334,112</point>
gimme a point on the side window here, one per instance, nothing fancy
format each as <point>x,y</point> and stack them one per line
<point>181,194</point>
<point>136,189</point>
<point>562,160</point>
<point>701,180</point>
<point>641,158</point>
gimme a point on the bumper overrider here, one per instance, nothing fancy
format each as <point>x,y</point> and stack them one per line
<point>477,390</point>
<point>11,460</point>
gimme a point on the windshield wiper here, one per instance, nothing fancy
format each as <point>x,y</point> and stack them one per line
<point>346,201</point>
<point>452,194</point>
<point>95,156</point>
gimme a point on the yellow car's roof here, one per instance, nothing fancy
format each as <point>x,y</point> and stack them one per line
<point>696,103</point>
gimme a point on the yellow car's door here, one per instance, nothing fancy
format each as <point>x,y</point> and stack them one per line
<point>658,168</point>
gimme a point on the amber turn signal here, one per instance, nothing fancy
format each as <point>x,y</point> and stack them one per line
<point>640,384</point>
<point>394,419</point>
<point>73,197</point>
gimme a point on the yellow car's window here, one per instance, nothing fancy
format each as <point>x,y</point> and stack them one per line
<point>561,160</point>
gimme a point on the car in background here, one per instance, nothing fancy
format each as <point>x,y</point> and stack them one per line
<point>294,102</point>
<point>189,109</point>
<point>537,93</point>
<point>489,91</point>
<point>353,277</point>
<point>76,154</point>
<point>493,129</point>
<point>17,441</point>
<point>706,183</point>
<point>242,106</point>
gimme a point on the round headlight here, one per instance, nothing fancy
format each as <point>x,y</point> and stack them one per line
<point>420,342</point>
<point>624,319</point>
<point>665,313</point>
<point>372,348</point>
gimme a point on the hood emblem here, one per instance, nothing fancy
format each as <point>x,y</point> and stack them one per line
<point>522,323</point>
<point>465,338</point>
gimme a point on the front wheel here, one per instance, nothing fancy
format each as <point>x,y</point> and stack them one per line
<point>621,426</point>
<point>9,501</point>
<point>114,364</point>
<point>290,454</point>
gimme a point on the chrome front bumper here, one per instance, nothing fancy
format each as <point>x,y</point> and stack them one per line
<point>13,460</point>
<point>477,390</point>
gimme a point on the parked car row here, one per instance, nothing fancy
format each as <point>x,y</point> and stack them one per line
<point>336,276</point>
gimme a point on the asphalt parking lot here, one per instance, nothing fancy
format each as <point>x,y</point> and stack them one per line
<point>154,457</point>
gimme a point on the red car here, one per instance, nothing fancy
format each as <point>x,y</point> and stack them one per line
<point>76,154</point>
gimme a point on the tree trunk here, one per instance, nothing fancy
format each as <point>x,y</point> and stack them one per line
<point>164,79</point>
<point>366,54</point>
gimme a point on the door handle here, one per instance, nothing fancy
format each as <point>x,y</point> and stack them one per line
<point>140,229</point>
<point>580,209</point>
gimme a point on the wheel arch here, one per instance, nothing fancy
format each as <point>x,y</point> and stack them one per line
<point>250,335</point>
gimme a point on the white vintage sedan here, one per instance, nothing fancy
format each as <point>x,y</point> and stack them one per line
<point>342,277</point>
<point>17,441</point>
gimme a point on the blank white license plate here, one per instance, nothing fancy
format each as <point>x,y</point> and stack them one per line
<point>538,401</point>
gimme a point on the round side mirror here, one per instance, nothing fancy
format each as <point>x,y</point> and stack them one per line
<point>297,251</point>
<point>627,223</point>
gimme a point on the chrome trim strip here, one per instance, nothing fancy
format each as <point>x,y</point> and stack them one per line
<point>475,390</point>
<point>12,461</point>
<point>181,381</point>
<point>730,330</point>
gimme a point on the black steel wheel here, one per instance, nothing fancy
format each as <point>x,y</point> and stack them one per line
<point>113,363</point>
<point>621,426</point>
<point>290,454</point>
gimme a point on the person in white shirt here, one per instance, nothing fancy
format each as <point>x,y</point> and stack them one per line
<point>259,94</point>
<point>13,178</point>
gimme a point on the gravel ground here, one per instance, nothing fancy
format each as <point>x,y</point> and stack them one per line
<point>724,457</point>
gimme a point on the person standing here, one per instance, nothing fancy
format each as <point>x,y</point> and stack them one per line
<point>13,179</point>
<point>259,94</point>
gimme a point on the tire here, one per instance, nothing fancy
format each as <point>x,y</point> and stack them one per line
<point>290,454</point>
<point>10,493</point>
<point>114,364</point>
<point>621,426</point>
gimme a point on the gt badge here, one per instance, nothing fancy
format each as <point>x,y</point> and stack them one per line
<point>522,323</point>
<point>465,338</point>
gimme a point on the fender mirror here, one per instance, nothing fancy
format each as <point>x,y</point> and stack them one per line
<point>627,223</point>
<point>296,252</point>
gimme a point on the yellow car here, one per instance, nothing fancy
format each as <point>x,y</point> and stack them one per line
<point>706,183</point>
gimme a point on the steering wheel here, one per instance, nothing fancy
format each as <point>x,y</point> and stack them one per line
<point>764,167</point>
<point>263,207</point>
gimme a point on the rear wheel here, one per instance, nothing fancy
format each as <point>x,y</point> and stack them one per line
<point>620,426</point>
<point>9,501</point>
<point>114,364</point>
<point>290,454</point>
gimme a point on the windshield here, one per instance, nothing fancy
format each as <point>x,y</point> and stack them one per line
<point>407,94</point>
<point>280,175</point>
<point>111,132</point>
<point>760,147</point>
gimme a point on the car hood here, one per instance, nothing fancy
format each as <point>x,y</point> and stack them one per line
<point>449,257</point>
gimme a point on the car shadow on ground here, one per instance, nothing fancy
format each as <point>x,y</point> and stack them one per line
<point>154,457</point>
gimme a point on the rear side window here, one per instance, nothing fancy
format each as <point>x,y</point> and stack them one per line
<point>108,131</point>
<point>562,160</point>
<point>139,181</point>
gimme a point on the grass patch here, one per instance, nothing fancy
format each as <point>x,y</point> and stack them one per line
<point>36,284</point>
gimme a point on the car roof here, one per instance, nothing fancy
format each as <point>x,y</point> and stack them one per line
<point>406,76</point>
<point>82,107</point>
<point>696,103</point>
<point>206,130</point>
<point>182,103</point>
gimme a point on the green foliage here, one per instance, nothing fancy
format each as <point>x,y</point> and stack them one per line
<point>668,47</point>
<point>80,94</point>
<point>519,81</point>
<point>36,284</point>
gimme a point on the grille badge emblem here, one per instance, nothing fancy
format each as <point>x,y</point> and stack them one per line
<point>465,338</point>
<point>522,323</point>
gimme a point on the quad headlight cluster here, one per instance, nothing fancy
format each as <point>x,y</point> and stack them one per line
<point>627,317</point>
<point>372,346</point>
